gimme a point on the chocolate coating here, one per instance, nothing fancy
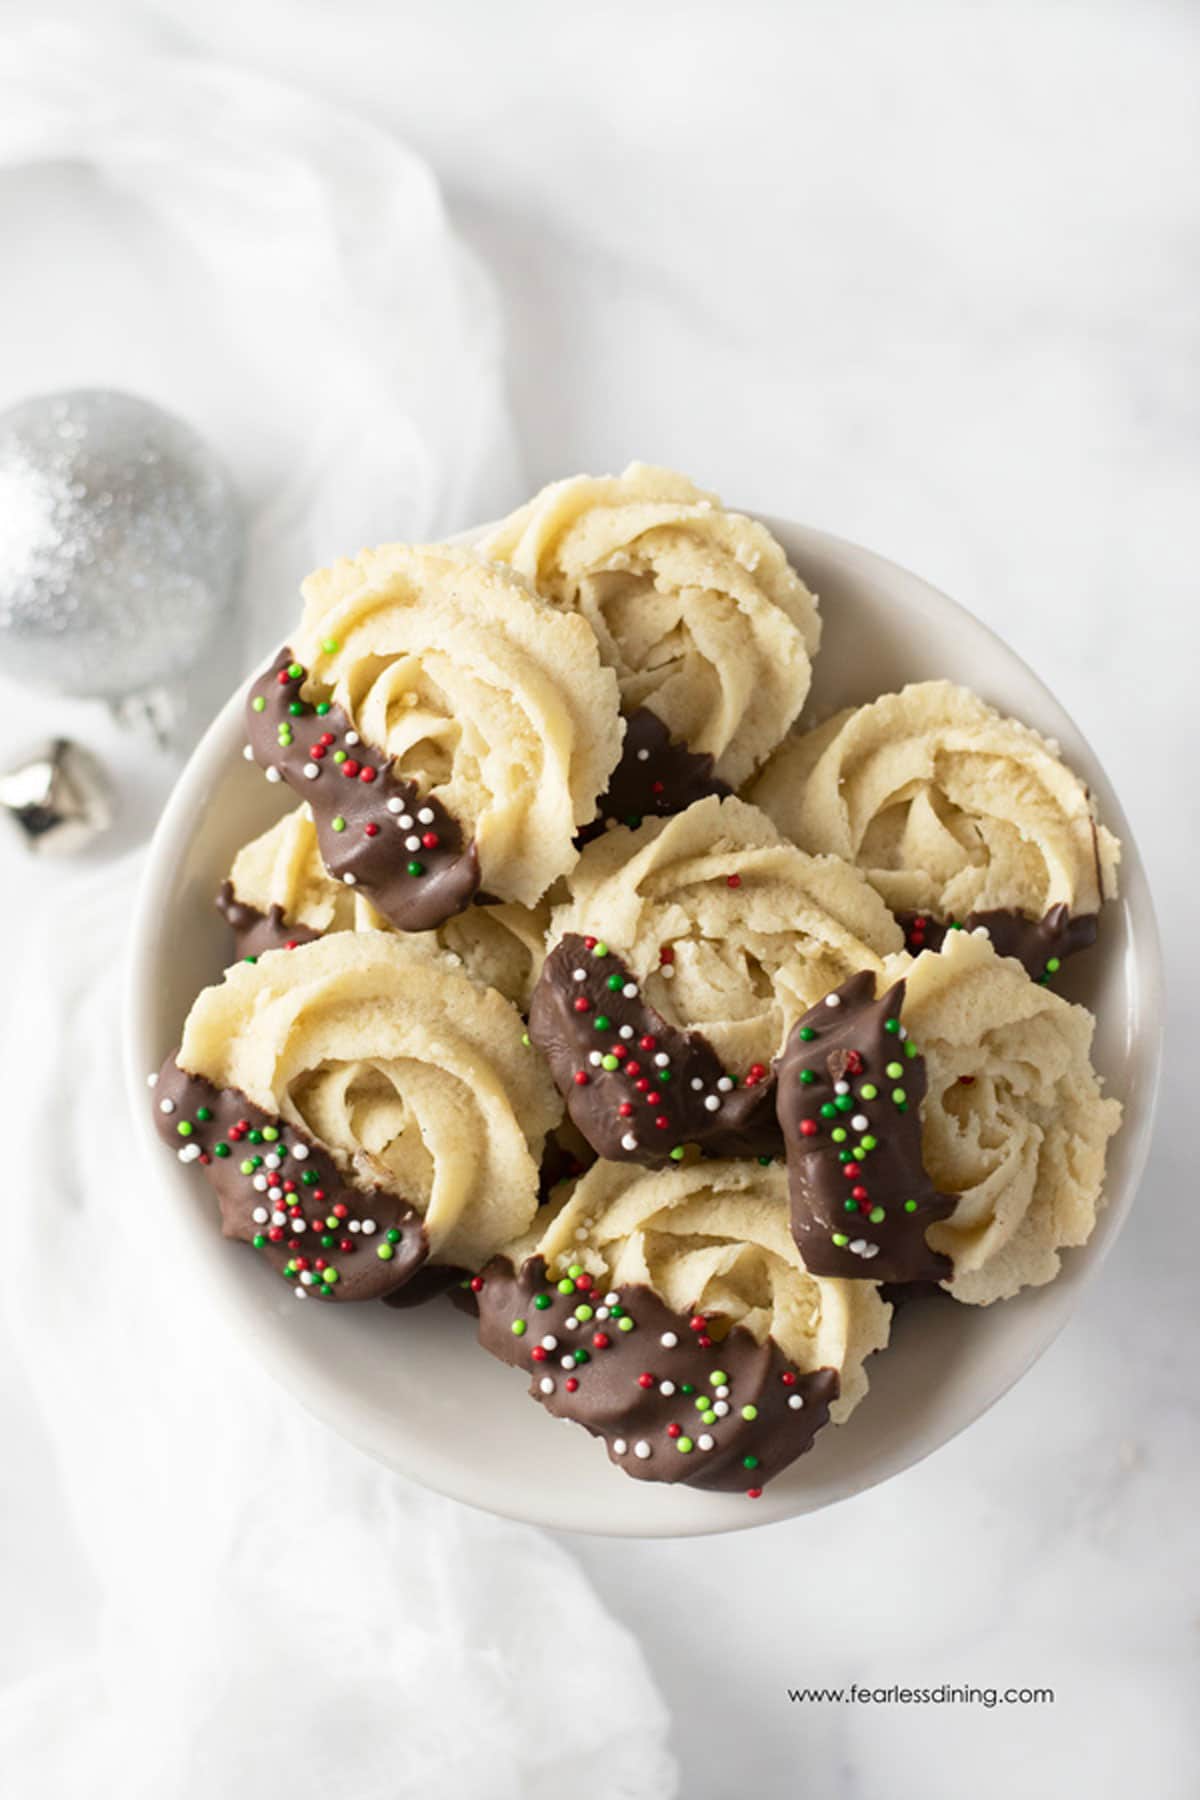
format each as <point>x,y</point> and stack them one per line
<point>864,1217</point>
<point>655,777</point>
<point>610,1400</point>
<point>357,805</point>
<point>255,932</point>
<point>315,1188</point>
<point>1032,941</point>
<point>563,1019</point>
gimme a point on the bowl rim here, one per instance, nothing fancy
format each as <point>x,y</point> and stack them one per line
<point>204,766</point>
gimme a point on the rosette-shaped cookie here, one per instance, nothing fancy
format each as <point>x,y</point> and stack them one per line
<point>279,893</point>
<point>361,1107</point>
<point>682,956</point>
<point>449,729</point>
<point>1014,1121</point>
<point>956,815</point>
<point>670,1313</point>
<point>709,629</point>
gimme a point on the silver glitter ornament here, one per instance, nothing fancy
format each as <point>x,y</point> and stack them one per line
<point>120,542</point>
<point>59,796</point>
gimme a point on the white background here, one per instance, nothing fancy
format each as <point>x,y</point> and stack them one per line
<point>924,275</point>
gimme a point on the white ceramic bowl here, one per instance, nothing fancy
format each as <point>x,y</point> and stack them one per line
<point>412,1388</point>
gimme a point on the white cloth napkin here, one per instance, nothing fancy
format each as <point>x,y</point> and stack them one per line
<point>203,1591</point>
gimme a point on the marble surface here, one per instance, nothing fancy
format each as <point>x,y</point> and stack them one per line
<point>924,276</point>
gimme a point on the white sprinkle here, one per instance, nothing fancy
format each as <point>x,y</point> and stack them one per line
<point>550,1342</point>
<point>667,971</point>
<point>312,770</point>
<point>613,1299</point>
<point>395,804</point>
<point>841,1087</point>
<point>725,1085</point>
<point>274,775</point>
<point>152,1078</point>
<point>298,1226</point>
<point>260,1215</point>
<point>833,1000</point>
<point>352,737</point>
<point>711,1102</point>
<point>641,1449</point>
<point>629,1142</point>
<point>308,1277</point>
<point>722,1393</point>
<point>546,1384</point>
<point>572,1324</point>
<point>903,1032</point>
<point>166,1106</point>
<point>278,1218</point>
<point>859,1122</point>
<point>666,1388</point>
<point>248,754</point>
<point>795,1401</point>
<point>300,1293</point>
<point>354,1225</point>
<point>368,1227</point>
<point>625,1031</point>
<point>643,756</point>
<point>425,816</point>
<point>412,843</point>
<point>704,1441</point>
<point>661,1059</point>
<point>189,1153</point>
<point>697,1084</point>
<point>568,1361</point>
<point>261,1183</point>
<point>629,991</point>
<point>578,974</point>
<point>349,879</point>
<point>405,822</point>
<point>619,1446</point>
<point>595,1059</point>
<point>272,1161</point>
<point>602,1312</point>
<point>980,931</point>
<point>275,1193</point>
<point>668,1340</point>
<point>299,1151</point>
<point>720,1407</point>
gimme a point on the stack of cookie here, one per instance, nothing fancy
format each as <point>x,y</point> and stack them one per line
<point>676,1039</point>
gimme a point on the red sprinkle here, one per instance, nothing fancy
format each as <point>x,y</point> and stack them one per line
<point>430,840</point>
<point>582,1003</point>
<point>275,1234</point>
<point>854,1063</point>
<point>705,1343</point>
<point>589,943</point>
<point>367,773</point>
<point>658,787</point>
<point>572,1383</point>
<point>754,1493</point>
<point>326,737</point>
<point>787,1378</point>
<point>858,1193</point>
<point>625,1110</point>
<point>697,1322</point>
<point>538,1353</point>
<point>674,1431</point>
<point>601,1340</point>
<point>632,1069</point>
<point>346,1244</point>
<point>646,1380</point>
<point>372,830</point>
<point>809,1128</point>
<point>663,1123</point>
<point>282,678</point>
<point>666,954</point>
<point>581,1079</point>
<point>851,1171</point>
<point>317,751</point>
<point>350,767</point>
<point>648,1043</point>
<point>583,1282</point>
<point>476,1284</point>
<point>733,881</point>
<point>642,1086</point>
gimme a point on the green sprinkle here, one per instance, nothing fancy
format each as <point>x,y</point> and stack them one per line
<point>330,646</point>
<point>297,709</point>
<point>807,1076</point>
<point>957,925</point>
<point>910,1049</point>
<point>584,1313</point>
<point>829,1110</point>
<point>310,1177</point>
<point>526,1039</point>
<point>221,1150</point>
<point>565,1286</point>
<point>271,1134</point>
<point>894,1071</point>
<point>295,671</point>
<point>384,1252</point>
<point>581,1356</point>
<point>322,707</point>
<point>613,983</point>
<point>807,1034</point>
<point>899,1096</point>
<point>247,1167</point>
<point>331,1223</point>
<point>845,1156</point>
<point>749,1462</point>
<point>868,1091</point>
<point>338,823</point>
<point>683,1445</point>
<point>876,1215</point>
<point>339,756</point>
<point>250,959</point>
<point>840,1239</point>
<point>844,1103</point>
<point>184,1129</point>
<point>625,1324</point>
<point>839,1134</point>
<point>258,1240</point>
<point>719,1378</point>
<point>1053,965</point>
<point>703,1403</point>
<point>749,1412</point>
<point>518,1328</point>
<point>416,868</point>
<point>258,703</point>
<point>849,1205</point>
<point>765,1161</point>
<point>677,1153</point>
<point>687,1387</point>
<point>891,1025</point>
<point>542,1301</point>
<point>255,1136</point>
<point>327,1241</point>
<point>600,949</point>
<point>601,1022</point>
<point>330,1275</point>
<point>609,1062</point>
<point>870,1143</point>
<point>709,1418</point>
<point>575,1270</point>
<point>910,1206</point>
<point>664,1074</point>
<point>393,1236</point>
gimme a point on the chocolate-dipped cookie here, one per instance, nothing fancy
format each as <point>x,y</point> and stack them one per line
<point>670,1314</point>
<point>360,1089</point>
<point>449,730</point>
<point>957,815</point>
<point>681,954</point>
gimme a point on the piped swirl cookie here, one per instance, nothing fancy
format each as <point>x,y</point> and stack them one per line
<point>1008,1167</point>
<point>449,729</point>
<point>670,1314</point>
<point>280,894</point>
<point>956,815</point>
<point>361,1107</point>
<point>710,630</point>
<point>684,952</point>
